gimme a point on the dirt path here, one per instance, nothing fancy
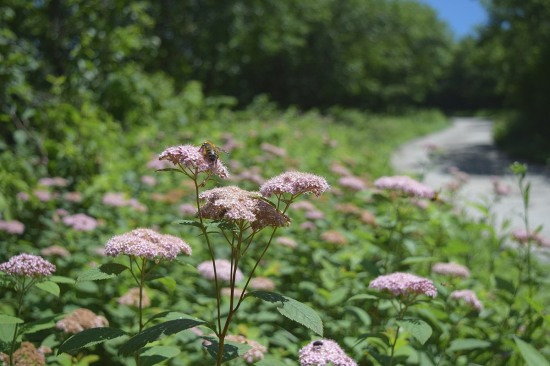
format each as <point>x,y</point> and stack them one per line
<point>467,144</point>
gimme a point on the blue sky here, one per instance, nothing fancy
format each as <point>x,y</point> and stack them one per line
<point>462,15</point>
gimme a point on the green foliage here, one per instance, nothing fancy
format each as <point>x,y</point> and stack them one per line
<point>90,337</point>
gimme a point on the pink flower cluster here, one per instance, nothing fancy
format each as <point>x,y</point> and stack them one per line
<point>233,204</point>
<point>522,237</point>
<point>191,157</point>
<point>55,250</point>
<point>81,319</point>
<point>294,183</point>
<point>324,352</point>
<point>80,222</point>
<point>469,297</point>
<point>262,283</point>
<point>117,199</point>
<point>400,283</point>
<point>499,188</point>
<point>406,185</point>
<point>147,243</point>
<point>27,265</point>
<point>53,182</point>
<point>12,227</point>
<point>272,149</point>
<point>286,242</point>
<point>254,354</point>
<point>223,270</point>
<point>451,269</point>
<point>353,183</point>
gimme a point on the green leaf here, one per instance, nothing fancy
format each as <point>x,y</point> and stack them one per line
<point>155,332</point>
<point>231,350</point>
<point>293,310</point>
<point>189,223</point>
<point>414,260</point>
<point>270,361</point>
<point>363,297</point>
<point>467,343</point>
<point>8,319</point>
<point>417,328</point>
<point>103,272</point>
<point>49,286</point>
<point>90,337</point>
<point>531,356</point>
<point>39,325</point>
<point>61,279</point>
<point>157,354</point>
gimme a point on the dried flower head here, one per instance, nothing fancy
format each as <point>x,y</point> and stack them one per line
<point>400,283</point>
<point>294,183</point>
<point>324,352</point>
<point>191,157</point>
<point>451,269</point>
<point>286,241</point>
<point>353,183</point>
<point>223,270</point>
<point>254,354</point>
<point>12,227</point>
<point>262,283</point>
<point>80,222</point>
<point>27,265</point>
<point>469,297</point>
<point>26,355</point>
<point>347,208</point>
<point>147,243</point>
<point>368,218</point>
<point>81,319</point>
<point>55,250</point>
<point>131,298</point>
<point>234,204</point>
<point>334,237</point>
<point>406,185</point>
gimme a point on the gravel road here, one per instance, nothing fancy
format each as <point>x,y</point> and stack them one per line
<point>468,145</point>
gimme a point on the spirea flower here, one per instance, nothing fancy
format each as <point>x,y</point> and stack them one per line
<point>191,157</point>
<point>400,283</point>
<point>149,180</point>
<point>353,183</point>
<point>81,319</point>
<point>368,218</point>
<point>469,297</point>
<point>294,183</point>
<point>406,185</point>
<point>27,265</point>
<point>147,243</point>
<point>286,241</point>
<point>114,199</point>
<point>80,222</point>
<point>233,204</point>
<point>314,215</point>
<point>23,196</point>
<point>223,270</point>
<point>451,269</point>
<point>237,292</point>
<point>187,209</point>
<point>12,227</point>
<point>340,169</point>
<point>53,182</point>
<point>43,196</point>
<point>272,149</point>
<point>324,352</point>
<point>334,237</point>
<point>303,206</point>
<point>75,197</point>
<point>55,250</point>
<point>26,355</point>
<point>131,298</point>
<point>254,354</point>
<point>262,283</point>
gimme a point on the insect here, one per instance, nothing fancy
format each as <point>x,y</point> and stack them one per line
<point>210,152</point>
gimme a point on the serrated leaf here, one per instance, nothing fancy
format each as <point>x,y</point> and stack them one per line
<point>189,223</point>
<point>49,287</point>
<point>157,354</point>
<point>417,328</point>
<point>293,310</point>
<point>61,279</point>
<point>155,332</point>
<point>530,355</point>
<point>8,319</point>
<point>90,337</point>
<point>103,272</point>
<point>467,343</point>
<point>231,350</point>
<point>363,297</point>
